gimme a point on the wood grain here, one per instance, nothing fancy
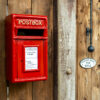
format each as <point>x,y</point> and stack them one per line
<point>20,91</point>
<point>66,49</point>
<point>43,90</point>
<point>88,80</point>
<point>96,55</point>
<point>19,6</point>
<point>3,92</point>
<point>84,87</point>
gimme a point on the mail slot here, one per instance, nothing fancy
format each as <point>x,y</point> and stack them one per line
<point>26,48</point>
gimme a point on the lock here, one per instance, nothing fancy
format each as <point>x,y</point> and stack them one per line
<point>26,48</point>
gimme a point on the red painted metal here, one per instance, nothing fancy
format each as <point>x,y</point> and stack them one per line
<point>15,47</point>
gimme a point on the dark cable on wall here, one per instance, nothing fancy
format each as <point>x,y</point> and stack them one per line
<point>90,48</point>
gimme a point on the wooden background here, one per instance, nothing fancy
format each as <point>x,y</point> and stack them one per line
<point>41,90</point>
<point>88,80</point>
<point>62,38</point>
<point>67,22</point>
<point>66,49</point>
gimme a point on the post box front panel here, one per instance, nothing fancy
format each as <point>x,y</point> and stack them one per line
<point>31,59</point>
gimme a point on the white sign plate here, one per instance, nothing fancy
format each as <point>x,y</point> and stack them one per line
<point>87,63</point>
<point>31,58</point>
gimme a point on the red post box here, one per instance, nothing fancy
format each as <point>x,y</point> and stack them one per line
<point>26,48</point>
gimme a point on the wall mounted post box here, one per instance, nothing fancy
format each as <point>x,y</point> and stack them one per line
<point>26,48</point>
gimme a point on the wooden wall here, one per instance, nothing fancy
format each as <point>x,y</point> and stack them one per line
<point>41,90</point>
<point>3,94</point>
<point>66,49</point>
<point>88,80</point>
<point>61,50</point>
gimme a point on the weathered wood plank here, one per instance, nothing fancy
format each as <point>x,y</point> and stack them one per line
<point>19,6</point>
<point>43,90</point>
<point>96,55</point>
<point>20,91</point>
<point>2,50</point>
<point>66,49</point>
<point>84,89</point>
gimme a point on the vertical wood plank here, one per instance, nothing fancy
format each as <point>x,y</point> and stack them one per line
<point>96,54</point>
<point>20,91</point>
<point>19,6</point>
<point>66,49</point>
<point>3,91</point>
<point>43,90</point>
<point>84,86</point>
